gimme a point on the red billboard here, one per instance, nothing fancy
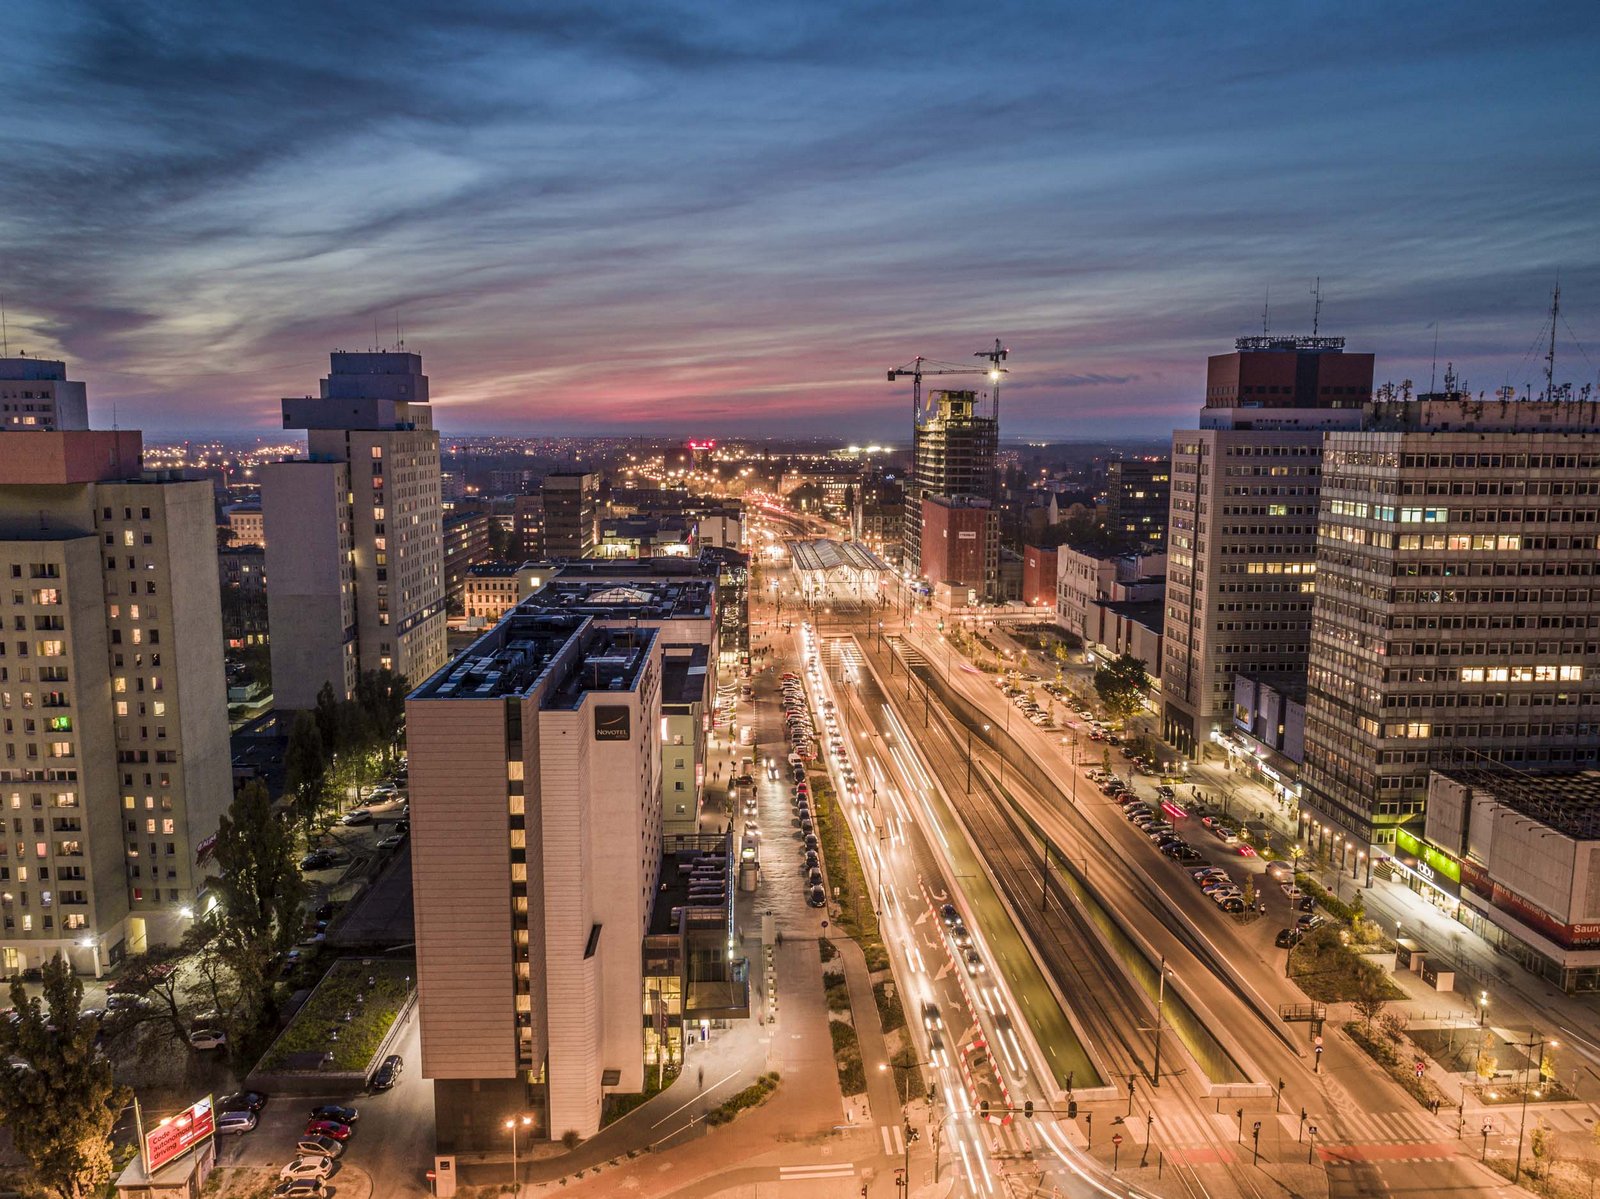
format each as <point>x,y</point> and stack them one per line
<point>176,1135</point>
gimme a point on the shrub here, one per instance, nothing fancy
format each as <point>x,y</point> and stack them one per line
<point>847,1058</point>
<point>571,1139</point>
<point>891,1013</point>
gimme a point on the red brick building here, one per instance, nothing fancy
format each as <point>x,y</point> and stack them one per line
<point>1038,575</point>
<point>961,543</point>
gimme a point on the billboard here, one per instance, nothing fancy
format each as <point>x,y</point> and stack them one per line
<point>176,1135</point>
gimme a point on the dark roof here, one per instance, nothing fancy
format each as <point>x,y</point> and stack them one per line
<point>1567,801</point>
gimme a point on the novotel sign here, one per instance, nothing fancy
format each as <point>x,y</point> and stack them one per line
<point>176,1135</point>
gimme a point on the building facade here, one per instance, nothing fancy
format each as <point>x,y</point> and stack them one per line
<point>955,447</point>
<point>1138,496</point>
<point>114,699</point>
<point>466,544</point>
<point>961,544</point>
<point>571,514</point>
<point>1039,570</point>
<point>358,570</point>
<point>1457,570</point>
<point>1241,536</point>
<point>36,395</point>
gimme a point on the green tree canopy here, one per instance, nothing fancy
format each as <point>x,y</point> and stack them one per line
<point>1121,685</point>
<point>61,1102</point>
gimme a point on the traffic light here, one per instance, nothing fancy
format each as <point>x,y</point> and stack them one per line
<point>1027,1109</point>
<point>1072,1109</point>
<point>983,1109</point>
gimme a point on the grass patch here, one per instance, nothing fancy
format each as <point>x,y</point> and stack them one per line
<point>826,950</point>
<point>856,916</point>
<point>321,1024</point>
<point>1327,969</point>
<point>753,1095</point>
<point>837,993</point>
<point>1398,1067</point>
<point>909,1075</point>
<point>891,1013</point>
<point>847,1058</point>
<point>617,1106</point>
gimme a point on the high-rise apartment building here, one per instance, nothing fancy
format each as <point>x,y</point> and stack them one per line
<point>1458,576</point>
<point>571,514</point>
<point>1138,495</point>
<point>1241,538</point>
<point>955,444</point>
<point>116,765</point>
<point>355,546</point>
<point>35,394</point>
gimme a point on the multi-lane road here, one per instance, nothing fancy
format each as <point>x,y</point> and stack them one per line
<point>909,753</point>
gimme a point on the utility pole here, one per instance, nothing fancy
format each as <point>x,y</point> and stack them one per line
<point>1161,998</point>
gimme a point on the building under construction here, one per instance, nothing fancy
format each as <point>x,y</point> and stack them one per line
<point>955,441</point>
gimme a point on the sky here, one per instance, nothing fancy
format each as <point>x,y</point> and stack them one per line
<point>733,218</point>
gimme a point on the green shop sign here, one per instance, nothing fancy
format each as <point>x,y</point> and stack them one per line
<point>1428,856</point>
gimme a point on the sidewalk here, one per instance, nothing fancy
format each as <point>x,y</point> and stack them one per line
<point>883,1082</point>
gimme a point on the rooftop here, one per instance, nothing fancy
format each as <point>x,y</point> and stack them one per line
<point>642,599</point>
<point>683,675</point>
<point>507,660</point>
<point>1566,801</point>
<point>611,662</point>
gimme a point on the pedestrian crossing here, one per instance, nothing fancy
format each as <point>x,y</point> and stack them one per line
<point>1225,1128</point>
<point>838,1170</point>
<point>894,1139</point>
<point>1354,1127</point>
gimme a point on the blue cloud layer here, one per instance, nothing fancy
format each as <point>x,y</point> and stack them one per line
<point>674,216</point>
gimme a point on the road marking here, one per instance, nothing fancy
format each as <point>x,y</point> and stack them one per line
<point>707,1091</point>
<point>842,1170</point>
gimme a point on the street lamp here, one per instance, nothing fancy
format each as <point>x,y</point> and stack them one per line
<point>1483,1007</point>
<point>512,1125</point>
<point>1522,1127</point>
<point>1161,999</point>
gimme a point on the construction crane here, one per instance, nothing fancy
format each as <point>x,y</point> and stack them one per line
<point>920,366</point>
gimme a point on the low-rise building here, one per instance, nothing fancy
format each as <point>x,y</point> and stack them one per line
<point>245,527</point>
<point>1515,856</point>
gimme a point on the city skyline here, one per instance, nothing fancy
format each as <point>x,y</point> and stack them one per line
<point>673,222</point>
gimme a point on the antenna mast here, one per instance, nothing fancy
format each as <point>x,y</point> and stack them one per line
<point>1266,315</point>
<point>1550,357</point>
<point>1434,368</point>
<point>5,333</point>
<point>1316,311</point>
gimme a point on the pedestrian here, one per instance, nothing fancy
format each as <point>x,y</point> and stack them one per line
<point>700,1078</point>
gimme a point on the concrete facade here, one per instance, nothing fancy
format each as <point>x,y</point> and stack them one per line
<point>372,419</point>
<point>114,700</point>
<point>36,396</point>
<point>1455,609</point>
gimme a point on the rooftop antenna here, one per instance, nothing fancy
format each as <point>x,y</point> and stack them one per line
<point>376,344</point>
<point>1316,311</point>
<point>5,333</point>
<point>1266,314</point>
<point>399,338</point>
<point>1432,370</point>
<point>1550,356</point>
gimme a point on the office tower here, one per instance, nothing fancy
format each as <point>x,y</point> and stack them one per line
<point>1455,606</point>
<point>112,688</point>
<point>1241,537</point>
<point>36,394</point>
<point>955,440</point>
<point>355,547</point>
<point>1138,494</point>
<point>466,544</point>
<point>571,514</point>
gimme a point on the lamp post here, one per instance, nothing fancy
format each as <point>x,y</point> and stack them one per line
<point>1161,999</point>
<point>512,1125</point>
<point>1483,1008</point>
<point>1522,1127</point>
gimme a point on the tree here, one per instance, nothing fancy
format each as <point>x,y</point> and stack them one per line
<point>1487,1063</point>
<point>306,768</point>
<point>61,1102</point>
<point>1369,999</point>
<point>381,695</point>
<point>260,893</point>
<point>1543,1146</point>
<point>1121,684</point>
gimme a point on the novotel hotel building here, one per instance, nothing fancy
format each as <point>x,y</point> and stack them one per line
<point>536,851</point>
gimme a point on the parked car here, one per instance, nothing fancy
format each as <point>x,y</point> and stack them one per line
<point>208,1038</point>
<point>356,816</point>
<point>325,1146</point>
<point>307,1166</point>
<point>235,1123</point>
<point>303,1188</point>
<point>816,897</point>
<point>242,1101</point>
<point>334,1111</point>
<point>395,841</point>
<point>1287,938</point>
<point>1232,903</point>
<point>328,1128</point>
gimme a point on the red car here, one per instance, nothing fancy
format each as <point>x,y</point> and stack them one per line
<point>328,1128</point>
